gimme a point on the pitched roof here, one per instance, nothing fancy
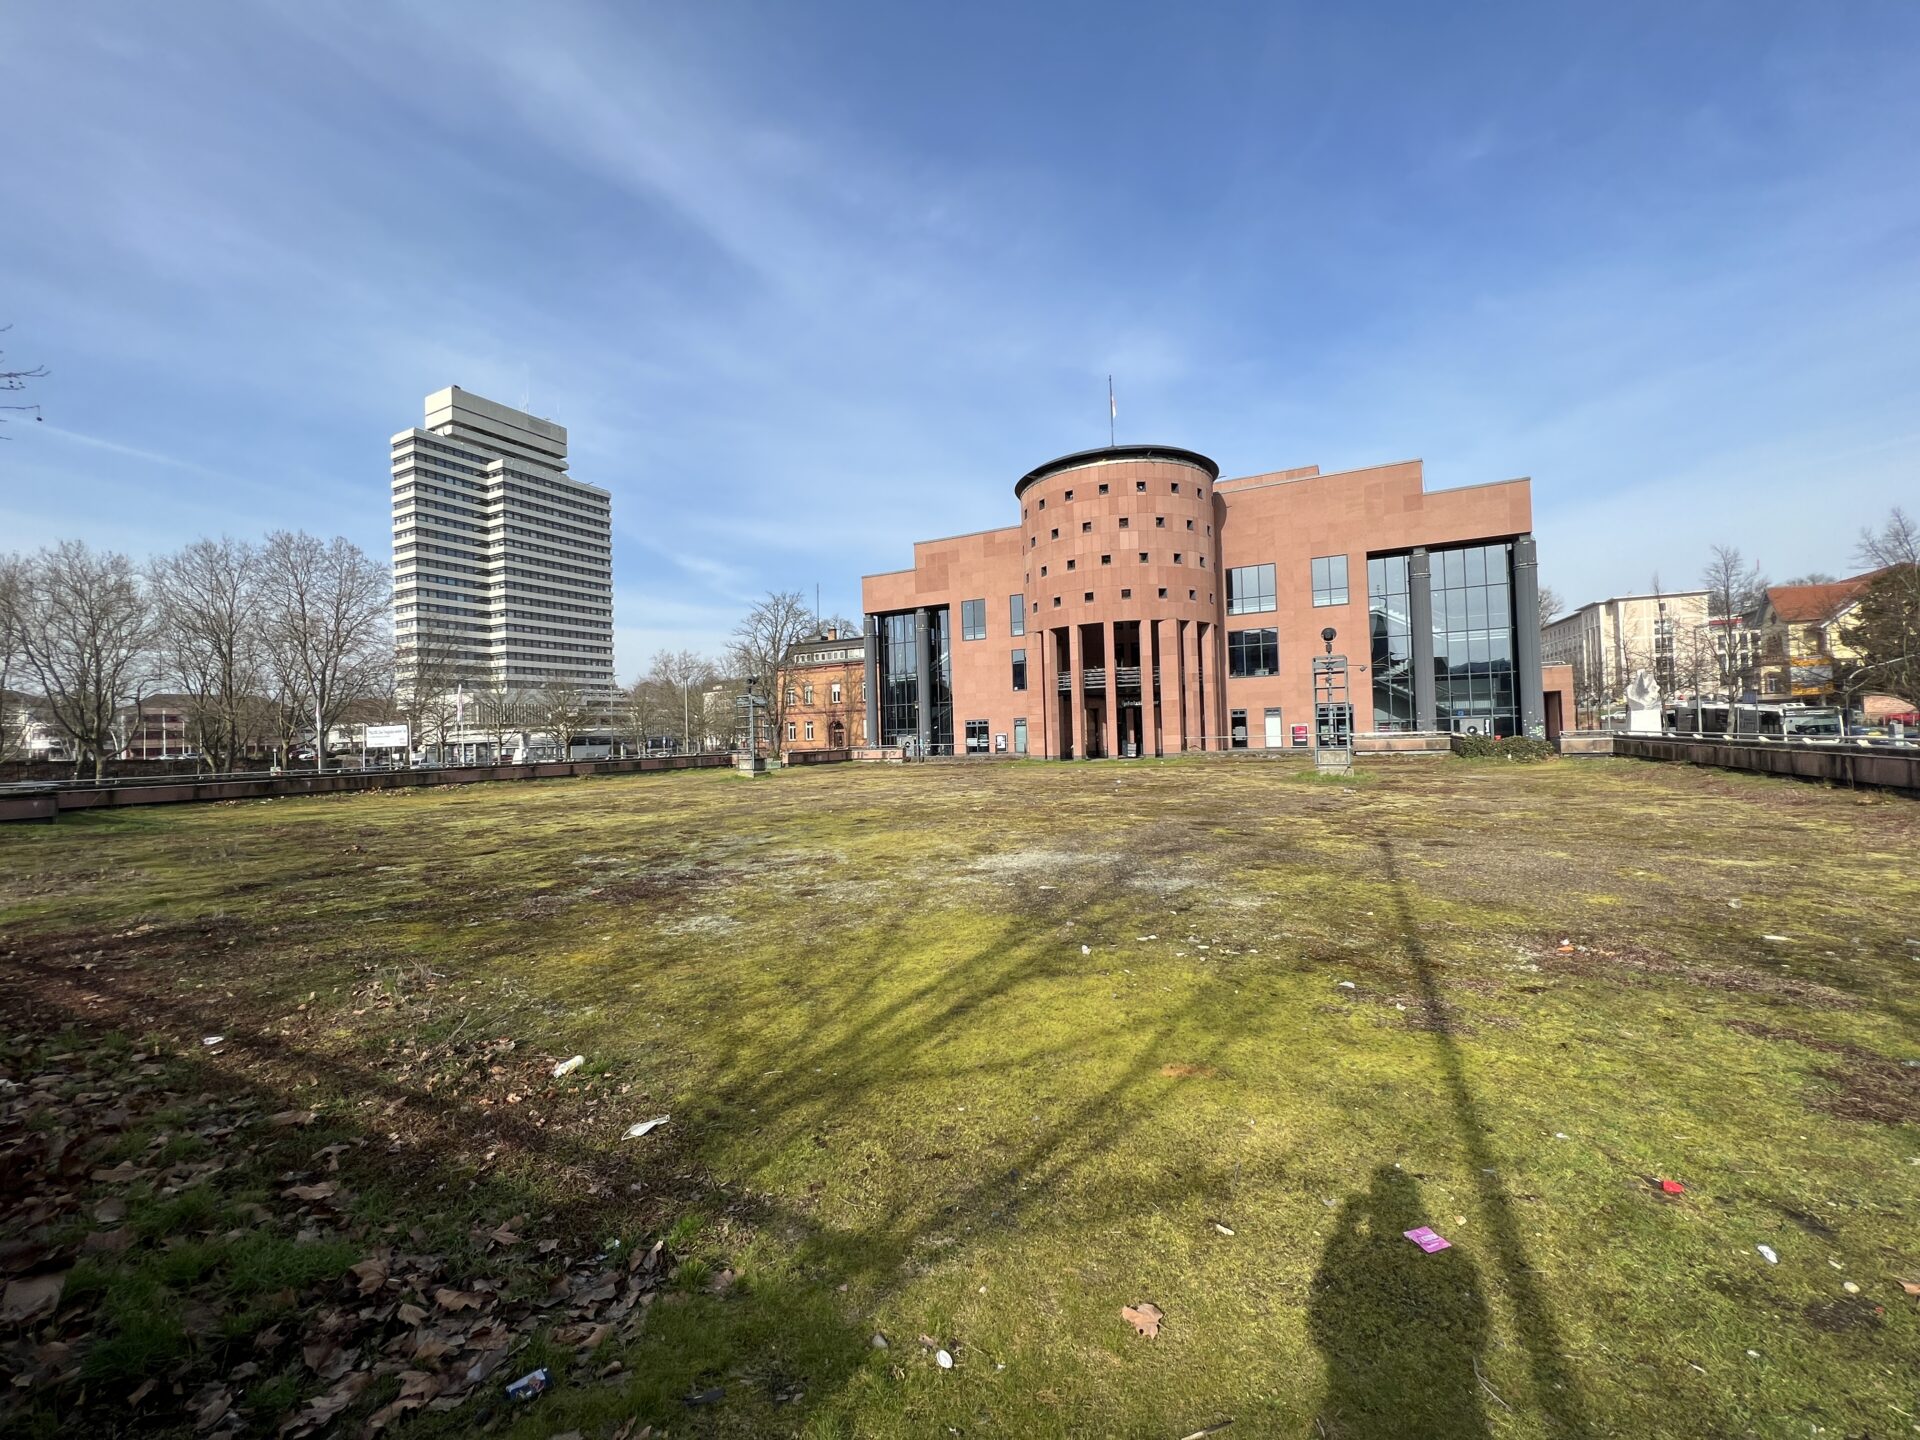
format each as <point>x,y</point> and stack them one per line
<point>1799,604</point>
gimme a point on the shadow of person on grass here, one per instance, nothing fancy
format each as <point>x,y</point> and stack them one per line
<point>1400,1329</point>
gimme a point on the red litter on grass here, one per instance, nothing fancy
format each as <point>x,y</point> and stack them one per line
<point>1673,1187</point>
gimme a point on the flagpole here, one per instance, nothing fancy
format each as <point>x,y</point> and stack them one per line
<point>1113,414</point>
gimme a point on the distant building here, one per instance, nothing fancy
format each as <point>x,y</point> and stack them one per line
<point>158,728</point>
<point>502,561</point>
<point>1799,629</point>
<point>1605,642</point>
<point>824,679</point>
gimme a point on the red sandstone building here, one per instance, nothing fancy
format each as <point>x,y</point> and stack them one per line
<point>1144,606</point>
<point>824,701</point>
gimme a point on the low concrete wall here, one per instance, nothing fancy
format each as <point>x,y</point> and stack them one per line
<point>1401,742</point>
<point>33,804</point>
<point>817,757</point>
<point>1841,764</point>
<point>1584,742</point>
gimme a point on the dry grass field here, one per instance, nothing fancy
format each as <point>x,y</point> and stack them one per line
<point>961,1061</point>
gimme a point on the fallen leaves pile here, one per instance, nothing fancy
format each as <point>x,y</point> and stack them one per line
<point>190,1258</point>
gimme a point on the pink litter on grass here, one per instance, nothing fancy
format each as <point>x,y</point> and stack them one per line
<point>1427,1240</point>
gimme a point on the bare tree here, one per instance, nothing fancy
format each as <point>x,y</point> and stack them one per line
<point>647,710</point>
<point>14,381</point>
<point>13,711</point>
<point>207,612</point>
<point>427,668</point>
<point>564,710</point>
<point>1735,591</point>
<point>1550,605</point>
<point>84,631</point>
<point>1812,577</point>
<point>760,645</point>
<point>678,676</point>
<point>325,612</point>
<point>1885,625</point>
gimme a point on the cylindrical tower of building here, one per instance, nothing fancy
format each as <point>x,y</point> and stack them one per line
<point>1123,578</point>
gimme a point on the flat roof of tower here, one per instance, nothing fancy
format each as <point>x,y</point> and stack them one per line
<point>1109,453</point>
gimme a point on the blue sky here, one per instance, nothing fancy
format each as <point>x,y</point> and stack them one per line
<point>808,282</point>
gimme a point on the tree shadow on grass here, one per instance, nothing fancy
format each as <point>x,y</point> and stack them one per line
<point>864,1052</point>
<point>1555,1393</point>
<point>1401,1330</point>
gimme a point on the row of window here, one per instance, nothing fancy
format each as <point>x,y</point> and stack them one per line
<point>1086,528</point>
<point>1251,589</point>
<point>1139,488</point>
<point>1146,558</point>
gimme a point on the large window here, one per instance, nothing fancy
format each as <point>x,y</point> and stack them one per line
<point>1237,724</point>
<point>1330,580</point>
<point>1250,590</point>
<point>1473,640</point>
<point>1392,655</point>
<point>1016,615</point>
<point>979,738</point>
<point>1020,669</point>
<point>973,619</point>
<point>1253,652</point>
<point>899,674</point>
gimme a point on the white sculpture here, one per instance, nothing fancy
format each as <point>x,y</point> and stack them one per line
<point>1643,704</point>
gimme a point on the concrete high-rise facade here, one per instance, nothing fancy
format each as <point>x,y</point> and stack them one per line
<point>502,561</point>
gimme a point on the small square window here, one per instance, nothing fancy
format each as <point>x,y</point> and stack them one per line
<point>1054,536</point>
<point>1072,563</point>
<point>1189,524</point>
<point>1202,492</point>
<point>1086,527</point>
<point>1140,487</point>
<point>1176,487</point>
<point>1043,572</point>
<point>1043,504</point>
<point>1103,489</point>
<point>1032,540</point>
<point>1056,602</point>
<point>1163,592</point>
<point>1106,559</point>
<point>1191,595</point>
<point>1126,594</point>
<point>1069,495</point>
<point>1203,562</point>
<point>1159,522</point>
<point>1176,557</point>
<point>1123,522</point>
<point>1089,597</point>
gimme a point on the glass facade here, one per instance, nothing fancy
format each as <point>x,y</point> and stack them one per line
<point>1392,657</point>
<point>1249,589</point>
<point>899,672</point>
<point>1473,641</point>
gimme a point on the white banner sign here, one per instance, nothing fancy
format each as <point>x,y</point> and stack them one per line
<point>387,737</point>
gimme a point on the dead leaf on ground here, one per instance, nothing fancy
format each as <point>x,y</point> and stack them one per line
<point>27,1300</point>
<point>372,1274</point>
<point>290,1118</point>
<point>1144,1317</point>
<point>448,1298</point>
<point>321,1191</point>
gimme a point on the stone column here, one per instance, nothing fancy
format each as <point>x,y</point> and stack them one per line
<point>1190,661</point>
<point>873,679</point>
<point>1109,636</point>
<point>1526,637</point>
<point>1420,623</point>
<point>923,666</point>
<point>1075,734</point>
<point>1149,694</point>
